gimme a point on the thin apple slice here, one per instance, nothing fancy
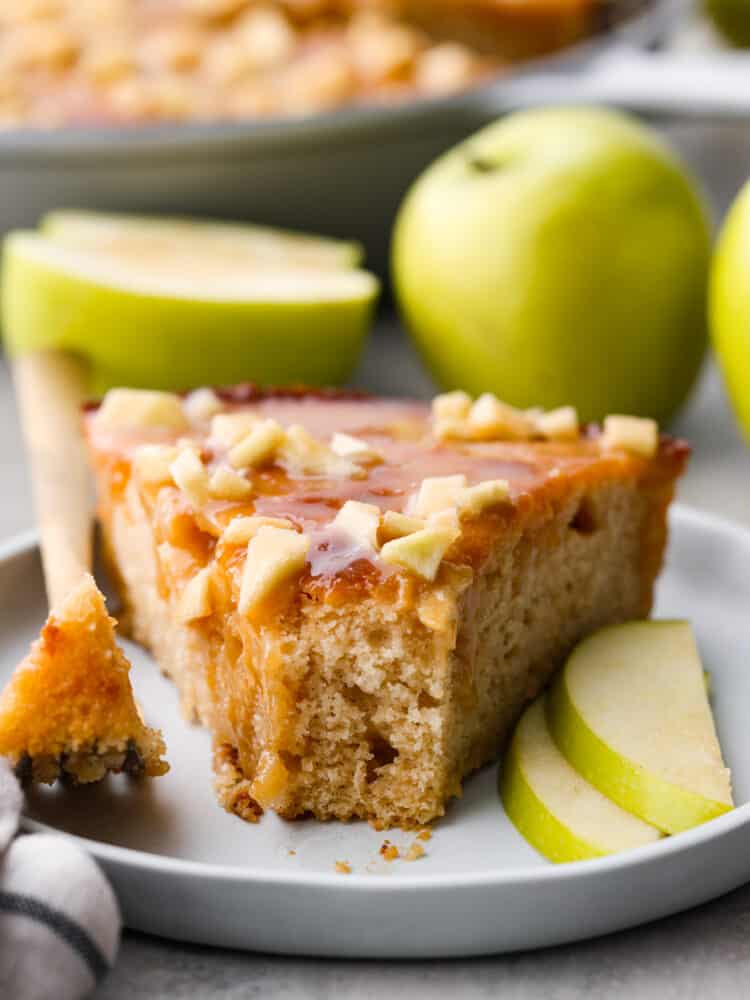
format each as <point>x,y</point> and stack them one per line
<point>630,713</point>
<point>177,304</point>
<point>561,815</point>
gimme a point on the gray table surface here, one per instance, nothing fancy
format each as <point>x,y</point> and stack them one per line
<point>704,953</point>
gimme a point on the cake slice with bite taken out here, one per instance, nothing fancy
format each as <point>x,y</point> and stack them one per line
<point>358,596</point>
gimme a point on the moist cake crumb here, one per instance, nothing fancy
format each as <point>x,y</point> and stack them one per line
<point>389,851</point>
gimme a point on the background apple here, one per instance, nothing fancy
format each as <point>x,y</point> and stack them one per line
<point>558,256</point>
<point>730,305</point>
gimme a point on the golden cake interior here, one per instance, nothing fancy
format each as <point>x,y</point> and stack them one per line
<point>358,596</point>
<point>68,710</point>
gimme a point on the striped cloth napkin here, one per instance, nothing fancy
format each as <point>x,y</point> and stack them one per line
<point>59,920</point>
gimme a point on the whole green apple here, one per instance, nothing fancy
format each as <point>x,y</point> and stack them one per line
<point>558,256</point>
<point>729,305</point>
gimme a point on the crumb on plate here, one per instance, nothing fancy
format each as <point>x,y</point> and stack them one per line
<point>389,851</point>
<point>415,852</point>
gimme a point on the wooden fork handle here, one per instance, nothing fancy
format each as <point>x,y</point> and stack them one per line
<point>50,386</point>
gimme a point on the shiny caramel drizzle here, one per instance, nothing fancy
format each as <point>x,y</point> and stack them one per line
<point>400,431</point>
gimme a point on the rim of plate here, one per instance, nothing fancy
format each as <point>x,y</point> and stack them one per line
<point>487,877</point>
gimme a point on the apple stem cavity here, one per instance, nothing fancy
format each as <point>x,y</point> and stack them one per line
<point>484,166</point>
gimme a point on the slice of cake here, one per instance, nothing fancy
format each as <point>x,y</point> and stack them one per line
<point>68,709</point>
<point>358,596</point>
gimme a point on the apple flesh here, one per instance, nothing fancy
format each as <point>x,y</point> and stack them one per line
<point>180,304</point>
<point>630,713</point>
<point>558,256</point>
<point>178,242</point>
<point>553,807</point>
<point>729,306</point>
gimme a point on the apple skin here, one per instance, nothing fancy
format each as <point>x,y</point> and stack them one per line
<point>558,256</point>
<point>163,342</point>
<point>729,306</point>
<point>732,18</point>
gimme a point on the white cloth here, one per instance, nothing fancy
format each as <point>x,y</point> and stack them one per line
<point>59,919</point>
<point>11,800</point>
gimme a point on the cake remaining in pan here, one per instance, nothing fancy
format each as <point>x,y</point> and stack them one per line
<point>358,596</point>
<point>73,62</point>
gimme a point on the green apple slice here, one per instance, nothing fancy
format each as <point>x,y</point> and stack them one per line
<point>180,304</point>
<point>630,713</point>
<point>561,815</point>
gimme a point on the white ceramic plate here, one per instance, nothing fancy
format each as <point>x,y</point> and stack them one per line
<point>183,868</point>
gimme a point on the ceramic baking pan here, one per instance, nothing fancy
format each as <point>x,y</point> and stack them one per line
<point>341,173</point>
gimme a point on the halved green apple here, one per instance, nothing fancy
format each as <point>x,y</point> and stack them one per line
<point>630,713</point>
<point>553,807</point>
<point>171,304</point>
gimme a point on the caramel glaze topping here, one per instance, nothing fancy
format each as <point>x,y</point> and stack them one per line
<point>537,473</point>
